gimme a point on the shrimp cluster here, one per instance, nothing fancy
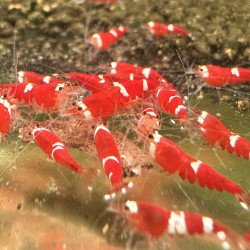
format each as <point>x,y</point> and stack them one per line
<point>84,101</point>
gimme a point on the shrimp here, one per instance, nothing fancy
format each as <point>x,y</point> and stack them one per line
<point>55,149</point>
<point>111,159</point>
<point>104,40</point>
<point>117,96</point>
<point>6,108</point>
<point>127,68</point>
<point>35,78</point>
<point>45,97</point>
<point>100,105</point>
<point>141,88</point>
<point>160,29</point>
<point>216,76</point>
<point>171,158</point>
<point>91,82</point>
<point>154,221</point>
<point>214,131</point>
<point>171,102</point>
<point>120,77</point>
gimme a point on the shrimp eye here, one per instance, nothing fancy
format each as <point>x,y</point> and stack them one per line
<point>112,83</point>
<point>60,88</point>
<point>5,95</point>
<point>73,103</point>
<point>144,113</point>
<point>157,117</point>
<point>79,108</point>
<point>150,136</point>
<point>93,126</point>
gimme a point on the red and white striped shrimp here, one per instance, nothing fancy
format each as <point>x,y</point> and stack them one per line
<point>214,131</point>
<point>91,82</point>
<point>109,77</point>
<point>100,105</point>
<point>127,68</point>
<point>6,108</point>
<point>155,221</point>
<point>117,96</point>
<point>216,76</point>
<point>172,159</point>
<point>104,40</point>
<point>160,29</point>
<point>141,88</point>
<point>46,97</point>
<point>111,160</point>
<point>35,78</point>
<point>171,102</point>
<point>53,146</point>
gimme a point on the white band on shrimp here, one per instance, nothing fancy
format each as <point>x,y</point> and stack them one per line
<point>6,104</point>
<point>145,85</point>
<point>172,97</point>
<point>208,224</point>
<point>108,158</point>
<point>179,108</point>
<point>195,165</point>
<point>46,79</point>
<point>123,90</point>
<point>38,130</point>
<point>235,71</point>
<point>170,27</point>
<point>56,146</point>
<point>113,32</point>
<point>101,127</point>
<point>146,72</point>
<point>177,223</point>
<point>233,140</point>
<point>28,88</point>
<point>158,92</point>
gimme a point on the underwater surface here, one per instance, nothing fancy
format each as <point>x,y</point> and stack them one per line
<point>44,205</point>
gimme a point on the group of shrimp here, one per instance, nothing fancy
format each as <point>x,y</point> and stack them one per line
<point>125,86</point>
<point>122,88</point>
